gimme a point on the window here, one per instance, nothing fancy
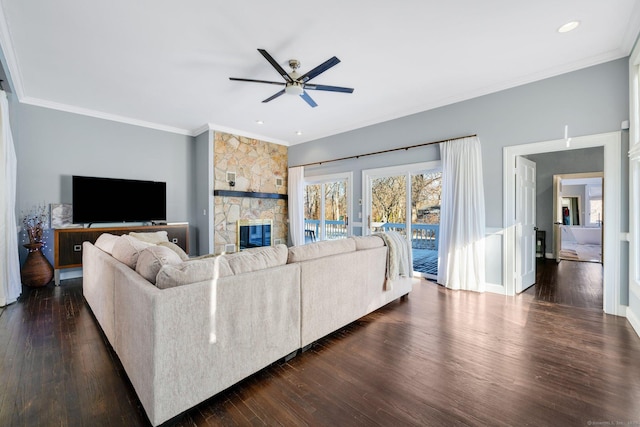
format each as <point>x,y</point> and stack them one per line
<point>327,207</point>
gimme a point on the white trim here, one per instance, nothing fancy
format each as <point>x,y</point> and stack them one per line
<point>612,184</point>
<point>239,132</point>
<point>101,115</point>
<point>6,43</point>
<point>633,236</point>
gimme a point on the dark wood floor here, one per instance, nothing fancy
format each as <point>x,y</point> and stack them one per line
<point>574,283</point>
<point>439,357</point>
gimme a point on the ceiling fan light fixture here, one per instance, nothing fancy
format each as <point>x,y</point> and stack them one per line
<point>294,88</point>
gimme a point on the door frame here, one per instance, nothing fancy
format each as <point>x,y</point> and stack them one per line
<point>611,206</point>
<point>557,207</point>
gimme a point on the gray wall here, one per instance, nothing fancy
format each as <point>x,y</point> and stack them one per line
<point>564,162</point>
<point>590,101</point>
<point>203,190</point>
<point>52,145</point>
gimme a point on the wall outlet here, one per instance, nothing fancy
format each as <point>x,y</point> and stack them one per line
<point>231,177</point>
<point>229,247</point>
<point>278,182</point>
<point>277,241</point>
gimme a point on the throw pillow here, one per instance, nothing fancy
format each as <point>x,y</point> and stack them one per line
<point>126,250</point>
<point>257,258</point>
<point>188,272</point>
<point>177,249</point>
<point>105,242</point>
<point>320,249</point>
<point>154,237</point>
<point>368,242</point>
<point>151,259</point>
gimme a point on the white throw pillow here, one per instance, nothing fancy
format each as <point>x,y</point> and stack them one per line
<point>151,260</point>
<point>177,249</point>
<point>126,250</point>
<point>257,258</point>
<point>154,237</point>
<point>105,242</point>
<point>188,272</point>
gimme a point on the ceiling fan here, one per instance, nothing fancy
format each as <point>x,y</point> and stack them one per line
<point>296,84</point>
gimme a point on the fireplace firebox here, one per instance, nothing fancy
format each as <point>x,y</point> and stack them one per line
<point>253,233</point>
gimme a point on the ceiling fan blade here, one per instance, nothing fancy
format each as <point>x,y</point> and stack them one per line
<point>328,88</point>
<point>275,65</point>
<point>319,69</point>
<point>255,81</point>
<point>308,99</point>
<point>274,96</point>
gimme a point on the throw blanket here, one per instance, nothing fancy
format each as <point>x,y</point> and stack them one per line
<point>399,260</point>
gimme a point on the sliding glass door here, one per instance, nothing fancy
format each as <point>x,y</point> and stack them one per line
<point>327,207</point>
<point>406,199</point>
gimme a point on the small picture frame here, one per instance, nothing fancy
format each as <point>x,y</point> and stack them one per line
<point>62,216</point>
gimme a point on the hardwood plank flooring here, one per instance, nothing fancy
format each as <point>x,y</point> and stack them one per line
<point>574,283</point>
<point>439,357</point>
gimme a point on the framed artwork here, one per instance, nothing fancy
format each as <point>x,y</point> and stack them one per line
<point>62,216</point>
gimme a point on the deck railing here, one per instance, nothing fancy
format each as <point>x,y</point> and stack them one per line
<point>423,236</point>
<point>333,229</point>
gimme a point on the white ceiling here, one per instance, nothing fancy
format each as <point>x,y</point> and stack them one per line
<point>166,64</point>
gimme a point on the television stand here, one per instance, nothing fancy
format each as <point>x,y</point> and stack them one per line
<point>67,247</point>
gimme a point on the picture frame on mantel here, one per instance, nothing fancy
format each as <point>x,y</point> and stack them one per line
<point>62,216</point>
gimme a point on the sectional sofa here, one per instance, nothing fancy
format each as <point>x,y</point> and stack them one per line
<point>186,329</point>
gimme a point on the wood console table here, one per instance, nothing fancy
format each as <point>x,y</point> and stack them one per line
<point>67,248</point>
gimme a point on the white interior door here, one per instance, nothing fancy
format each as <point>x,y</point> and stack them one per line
<point>526,221</point>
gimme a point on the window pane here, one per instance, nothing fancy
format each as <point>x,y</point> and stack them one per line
<point>426,190</point>
<point>335,209</point>
<point>595,211</point>
<point>388,204</point>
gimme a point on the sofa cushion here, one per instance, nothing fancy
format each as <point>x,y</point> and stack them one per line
<point>195,271</point>
<point>177,249</point>
<point>151,259</point>
<point>320,249</point>
<point>257,258</point>
<point>368,242</point>
<point>126,250</point>
<point>154,237</point>
<point>105,242</point>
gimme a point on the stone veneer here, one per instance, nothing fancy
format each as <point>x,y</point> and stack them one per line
<point>257,165</point>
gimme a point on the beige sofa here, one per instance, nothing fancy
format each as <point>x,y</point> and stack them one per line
<point>202,325</point>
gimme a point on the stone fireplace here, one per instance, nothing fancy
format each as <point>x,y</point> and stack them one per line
<point>259,191</point>
<point>254,233</point>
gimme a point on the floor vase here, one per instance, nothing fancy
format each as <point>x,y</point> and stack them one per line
<point>37,270</point>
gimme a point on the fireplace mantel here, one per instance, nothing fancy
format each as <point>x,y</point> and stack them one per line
<point>232,193</point>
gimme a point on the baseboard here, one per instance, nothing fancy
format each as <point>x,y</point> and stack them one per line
<point>494,288</point>
<point>633,320</point>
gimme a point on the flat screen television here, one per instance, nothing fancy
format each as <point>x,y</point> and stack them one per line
<point>117,200</point>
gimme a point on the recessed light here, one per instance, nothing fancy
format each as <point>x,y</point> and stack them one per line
<point>299,132</point>
<point>569,26</point>
<point>260,122</point>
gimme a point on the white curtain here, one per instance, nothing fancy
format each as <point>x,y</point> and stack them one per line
<point>296,205</point>
<point>462,222</point>
<point>10,286</point>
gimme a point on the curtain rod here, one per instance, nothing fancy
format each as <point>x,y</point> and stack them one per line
<point>386,151</point>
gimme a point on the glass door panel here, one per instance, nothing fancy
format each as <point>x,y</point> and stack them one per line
<point>326,209</point>
<point>335,210</point>
<point>389,204</point>
<point>426,189</point>
<point>312,210</point>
